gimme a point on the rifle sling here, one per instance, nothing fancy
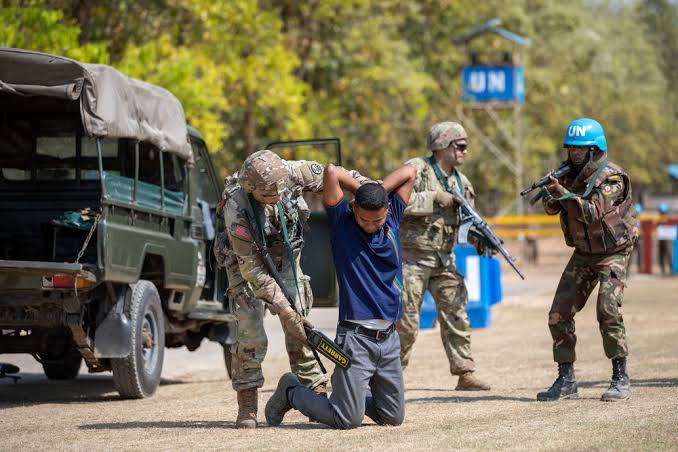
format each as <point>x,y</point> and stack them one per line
<point>589,186</point>
<point>443,179</point>
<point>482,227</point>
<point>290,253</point>
<point>259,239</point>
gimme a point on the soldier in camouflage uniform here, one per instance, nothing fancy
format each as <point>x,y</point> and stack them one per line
<point>265,187</point>
<point>428,234</point>
<point>597,217</point>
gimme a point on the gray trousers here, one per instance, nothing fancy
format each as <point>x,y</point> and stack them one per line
<point>372,386</point>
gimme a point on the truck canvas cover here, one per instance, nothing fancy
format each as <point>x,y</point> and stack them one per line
<point>111,104</point>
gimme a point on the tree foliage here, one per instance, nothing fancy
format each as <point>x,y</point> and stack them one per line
<point>29,25</point>
<point>377,74</point>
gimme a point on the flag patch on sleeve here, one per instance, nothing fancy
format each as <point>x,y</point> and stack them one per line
<point>242,232</point>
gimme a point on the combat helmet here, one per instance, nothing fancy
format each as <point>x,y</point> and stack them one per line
<point>265,172</point>
<point>585,132</point>
<point>443,133</point>
<point>663,208</point>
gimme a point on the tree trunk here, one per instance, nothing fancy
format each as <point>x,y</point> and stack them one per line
<point>83,12</point>
<point>250,124</point>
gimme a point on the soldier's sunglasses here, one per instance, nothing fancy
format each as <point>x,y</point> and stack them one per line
<point>578,148</point>
<point>460,146</point>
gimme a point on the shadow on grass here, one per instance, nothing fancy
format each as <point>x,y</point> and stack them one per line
<point>36,389</point>
<point>643,383</point>
<point>467,399</point>
<point>407,389</point>
<point>157,424</point>
<point>304,426</point>
<point>200,424</point>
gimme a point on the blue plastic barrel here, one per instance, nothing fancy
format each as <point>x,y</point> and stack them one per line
<point>479,316</point>
<point>482,276</point>
<point>494,275</point>
<point>461,252</point>
<point>427,314</point>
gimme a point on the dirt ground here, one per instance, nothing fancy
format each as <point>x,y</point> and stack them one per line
<point>195,407</point>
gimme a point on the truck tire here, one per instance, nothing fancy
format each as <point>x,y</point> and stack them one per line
<point>138,375</point>
<point>66,368</point>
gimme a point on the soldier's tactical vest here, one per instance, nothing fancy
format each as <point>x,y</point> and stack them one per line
<point>296,213</point>
<point>615,231</point>
<point>436,232</point>
<point>294,206</point>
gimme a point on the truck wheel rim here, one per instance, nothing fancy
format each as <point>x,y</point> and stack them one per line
<point>149,342</point>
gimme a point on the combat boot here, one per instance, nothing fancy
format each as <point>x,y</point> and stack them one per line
<point>620,388</point>
<point>320,389</point>
<point>469,382</point>
<point>247,408</point>
<point>278,404</point>
<point>565,386</point>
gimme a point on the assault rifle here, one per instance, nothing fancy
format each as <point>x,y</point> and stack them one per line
<point>317,341</point>
<point>469,217</point>
<point>544,181</point>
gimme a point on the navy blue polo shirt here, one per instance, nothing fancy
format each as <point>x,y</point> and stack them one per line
<point>369,266</point>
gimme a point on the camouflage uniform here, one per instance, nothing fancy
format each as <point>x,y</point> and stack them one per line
<point>251,287</point>
<point>601,227</point>
<point>428,234</point>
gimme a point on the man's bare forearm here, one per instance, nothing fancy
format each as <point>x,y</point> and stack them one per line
<point>346,180</point>
<point>397,178</point>
<point>401,181</point>
<point>335,180</point>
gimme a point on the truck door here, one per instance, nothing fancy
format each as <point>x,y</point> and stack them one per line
<point>206,189</point>
<point>316,257</point>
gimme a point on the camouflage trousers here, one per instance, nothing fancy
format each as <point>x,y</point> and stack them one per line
<point>579,279</point>
<point>448,289</point>
<point>250,349</point>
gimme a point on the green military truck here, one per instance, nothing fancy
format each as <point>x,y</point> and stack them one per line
<point>107,204</point>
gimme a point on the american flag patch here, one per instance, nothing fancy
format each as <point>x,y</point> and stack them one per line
<point>242,233</point>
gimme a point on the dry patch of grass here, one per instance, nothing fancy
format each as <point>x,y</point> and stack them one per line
<point>513,355</point>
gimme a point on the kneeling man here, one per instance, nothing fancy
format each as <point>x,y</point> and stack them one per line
<point>367,256</point>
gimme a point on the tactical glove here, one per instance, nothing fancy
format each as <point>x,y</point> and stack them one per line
<point>293,323</point>
<point>554,188</point>
<point>445,199</point>
<point>482,245</point>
